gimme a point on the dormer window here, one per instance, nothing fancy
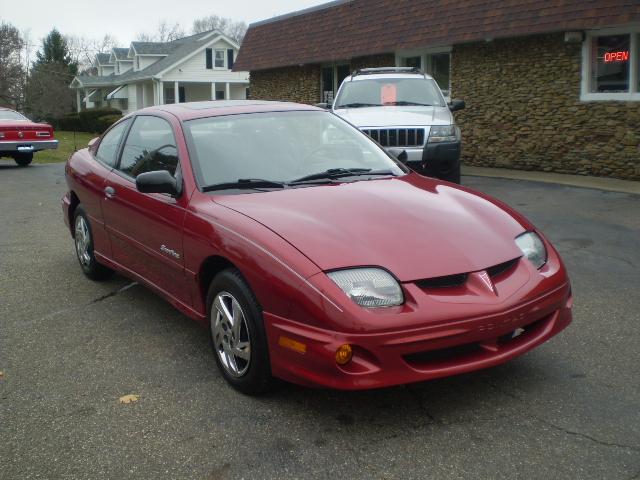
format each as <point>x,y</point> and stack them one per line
<point>220,58</point>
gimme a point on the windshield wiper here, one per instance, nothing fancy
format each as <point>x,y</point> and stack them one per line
<point>245,183</point>
<point>358,105</point>
<point>341,172</point>
<point>403,103</point>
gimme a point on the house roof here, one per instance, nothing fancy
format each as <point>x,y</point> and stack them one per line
<point>120,53</point>
<point>103,59</point>
<point>152,48</point>
<point>352,28</point>
<point>179,49</point>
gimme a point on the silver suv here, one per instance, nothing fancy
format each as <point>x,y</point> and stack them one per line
<point>405,111</point>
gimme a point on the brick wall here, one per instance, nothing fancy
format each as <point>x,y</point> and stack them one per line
<point>524,111</point>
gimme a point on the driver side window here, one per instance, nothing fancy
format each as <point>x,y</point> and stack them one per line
<point>150,146</point>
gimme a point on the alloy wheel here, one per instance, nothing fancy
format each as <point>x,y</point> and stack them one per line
<point>230,334</point>
<point>83,240</point>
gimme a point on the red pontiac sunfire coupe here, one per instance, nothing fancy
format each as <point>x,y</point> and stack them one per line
<point>311,254</point>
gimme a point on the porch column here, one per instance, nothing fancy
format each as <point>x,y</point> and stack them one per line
<point>154,87</point>
<point>160,92</point>
<point>227,91</point>
<point>176,92</point>
<point>144,96</point>
<point>213,90</point>
<point>78,100</point>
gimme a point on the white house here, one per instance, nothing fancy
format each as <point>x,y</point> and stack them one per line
<point>189,69</point>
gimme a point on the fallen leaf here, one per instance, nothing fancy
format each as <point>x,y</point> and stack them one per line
<point>129,399</point>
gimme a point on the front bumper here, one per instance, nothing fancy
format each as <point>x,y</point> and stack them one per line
<point>28,146</point>
<point>407,356</point>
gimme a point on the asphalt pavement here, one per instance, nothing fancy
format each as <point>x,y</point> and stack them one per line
<point>70,348</point>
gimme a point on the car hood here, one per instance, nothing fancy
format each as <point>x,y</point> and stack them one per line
<point>396,116</point>
<point>413,226</point>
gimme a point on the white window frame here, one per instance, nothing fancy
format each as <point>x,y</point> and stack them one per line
<point>424,54</point>
<point>585,89</point>
<point>215,58</point>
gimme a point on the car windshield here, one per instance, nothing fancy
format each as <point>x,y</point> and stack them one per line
<point>261,149</point>
<point>10,115</point>
<point>389,91</point>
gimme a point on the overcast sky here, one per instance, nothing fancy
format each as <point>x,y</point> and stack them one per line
<point>123,19</point>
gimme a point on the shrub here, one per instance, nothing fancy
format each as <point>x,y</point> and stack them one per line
<point>96,120</point>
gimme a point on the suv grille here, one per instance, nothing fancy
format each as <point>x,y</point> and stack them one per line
<point>397,137</point>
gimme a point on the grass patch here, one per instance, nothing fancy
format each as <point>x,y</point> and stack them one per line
<point>65,147</point>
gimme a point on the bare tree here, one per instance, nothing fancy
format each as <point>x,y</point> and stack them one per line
<point>231,28</point>
<point>165,32</point>
<point>11,66</point>
<point>84,50</point>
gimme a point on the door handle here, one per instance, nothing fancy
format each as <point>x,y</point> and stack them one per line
<point>109,192</point>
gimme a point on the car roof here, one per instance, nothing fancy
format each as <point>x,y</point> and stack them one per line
<point>194,110</point>
<point>375,76</point>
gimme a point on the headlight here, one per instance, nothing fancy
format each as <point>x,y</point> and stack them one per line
<point>533,248</point>
<point>444,133</point>
<point>369,287</point>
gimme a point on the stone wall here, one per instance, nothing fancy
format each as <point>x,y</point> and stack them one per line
<point>290,84</point>
<point>302,84</point>
<point>524,111</point>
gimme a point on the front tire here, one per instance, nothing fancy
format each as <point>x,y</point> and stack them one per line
<point>237,332</point>
<point>23,159</point>
<point>83,238</point>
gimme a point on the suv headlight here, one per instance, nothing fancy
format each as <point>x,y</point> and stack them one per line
<point>444,133</point>
<point>369,287</point>
<point>533,248</point>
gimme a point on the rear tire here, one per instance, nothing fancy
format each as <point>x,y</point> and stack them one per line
<point>83,238</point>
<point>238,337</point>
<point>23,159</point>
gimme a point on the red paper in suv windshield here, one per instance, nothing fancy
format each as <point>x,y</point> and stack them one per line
<point>388,93</point>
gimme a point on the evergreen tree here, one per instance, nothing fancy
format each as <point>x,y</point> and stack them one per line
<point>55,51</point>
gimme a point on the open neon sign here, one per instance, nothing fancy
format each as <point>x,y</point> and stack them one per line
<point>622,56</point>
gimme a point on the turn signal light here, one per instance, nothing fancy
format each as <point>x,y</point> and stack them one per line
<point>344,354</point>
<point>292,344</point>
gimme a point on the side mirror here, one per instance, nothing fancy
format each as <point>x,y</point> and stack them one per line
<point>92,142</point>
<point>455,105</point>
<point>159,181</point>
<point>402,156</point>
<point>325,105</point>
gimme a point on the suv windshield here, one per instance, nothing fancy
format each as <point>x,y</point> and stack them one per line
<point>281,147</point>
<point>377,92</point>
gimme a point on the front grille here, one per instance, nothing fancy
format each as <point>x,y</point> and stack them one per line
<point>501,267</point>
<point>443,282</point>
<point>397,137</point>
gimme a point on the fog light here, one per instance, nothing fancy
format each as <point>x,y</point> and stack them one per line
<point>344,354</point>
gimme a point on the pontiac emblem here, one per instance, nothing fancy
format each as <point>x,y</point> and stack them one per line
<point>486,279</point>
<point>20,134</point>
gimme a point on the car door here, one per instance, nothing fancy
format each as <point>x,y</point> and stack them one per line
<point>145,229</point>
<point>90,178</point>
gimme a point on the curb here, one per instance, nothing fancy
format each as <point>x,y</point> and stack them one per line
<point>598,183</point>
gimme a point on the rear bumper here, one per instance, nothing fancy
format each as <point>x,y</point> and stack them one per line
<point>27,146</point>
<point>401,357</point>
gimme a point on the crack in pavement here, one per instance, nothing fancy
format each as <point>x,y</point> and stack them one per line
<point>113,293</point>
<point>567,431</point>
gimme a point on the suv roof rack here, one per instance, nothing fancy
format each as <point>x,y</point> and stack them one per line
<point>377,70</point>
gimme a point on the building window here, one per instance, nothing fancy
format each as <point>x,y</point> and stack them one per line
<point>610,65</point>
<point>209,58</point>
<point>434,63</point>
<point>331,79</point>
<point>220,58</point>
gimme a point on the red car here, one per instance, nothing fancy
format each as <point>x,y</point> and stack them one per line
<point>20,137</point>
<point>310,253</point>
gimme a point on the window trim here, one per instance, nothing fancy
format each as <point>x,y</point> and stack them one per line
<point>125,133</point>
<point>334,66</point>
<point>634,67</point>
<point>424,54</point>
